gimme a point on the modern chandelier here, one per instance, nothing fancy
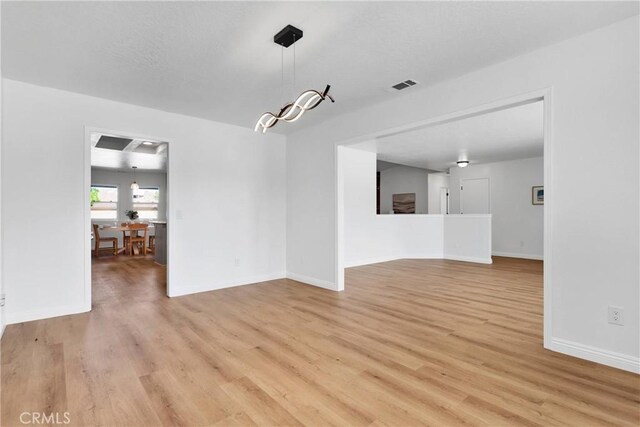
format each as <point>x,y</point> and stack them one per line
<point>307,100</point>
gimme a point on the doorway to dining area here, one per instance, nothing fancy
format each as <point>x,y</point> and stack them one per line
<point>128,205</point>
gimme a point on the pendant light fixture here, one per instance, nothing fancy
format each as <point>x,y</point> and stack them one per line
<point>307,100</point>
<point>134,185</point>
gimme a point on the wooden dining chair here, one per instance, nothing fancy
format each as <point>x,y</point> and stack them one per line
<point>136,239</point>
<point>98,240</point>
<point>125,237</point>
<point>152,244</point>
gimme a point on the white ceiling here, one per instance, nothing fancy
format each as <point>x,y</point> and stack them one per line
<point>217,60</point>
<point>382,165</point>
<point>153,160</point>
<point>514,133</point>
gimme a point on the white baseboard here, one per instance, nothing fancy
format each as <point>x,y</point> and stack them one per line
<point>349,264</point>
<point>226,284</point>
<point>517,255</point>
<point>67,310</point>
<point>312,281</point>
<point>393,258</point>
<point>594,354</point>
<point>469,259</point>
<point>28,316</point>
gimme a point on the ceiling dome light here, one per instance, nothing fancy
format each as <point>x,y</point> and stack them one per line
<point>308,100</point>
<point>462,163</point>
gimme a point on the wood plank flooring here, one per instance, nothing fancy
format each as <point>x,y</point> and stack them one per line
<point>411,342</point>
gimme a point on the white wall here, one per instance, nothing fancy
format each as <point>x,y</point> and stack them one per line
<point>373,238</point>
<point>226,206</point>
<point>518,225</point>
<point>122,180</point>
<point>467,238</point>
<point>436,182</point>
<point>595,127</point>
<point>2,319</point>
<point>403,179</point>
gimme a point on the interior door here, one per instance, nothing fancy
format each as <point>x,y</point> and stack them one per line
<point>474,196</point>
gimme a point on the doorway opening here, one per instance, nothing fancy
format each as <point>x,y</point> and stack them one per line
<point>127,214</point>
<point>463,190</point>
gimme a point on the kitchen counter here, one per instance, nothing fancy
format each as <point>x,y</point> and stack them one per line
<point>160,252</point>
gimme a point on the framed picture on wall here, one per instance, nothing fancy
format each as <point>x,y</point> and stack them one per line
<point>537,195</point>
<point>404,203</point>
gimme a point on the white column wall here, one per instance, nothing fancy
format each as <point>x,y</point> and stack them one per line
<point>594,125</point>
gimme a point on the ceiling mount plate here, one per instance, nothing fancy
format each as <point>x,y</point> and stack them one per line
<point>287,36</point>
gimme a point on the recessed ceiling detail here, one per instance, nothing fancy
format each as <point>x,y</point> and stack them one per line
<point>113,143</point>
<point>121,153</point>
<point>149,147</point>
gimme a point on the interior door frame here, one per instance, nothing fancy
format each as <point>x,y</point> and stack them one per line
<point>88,130</point>
<point>546,96</point>
<point>473,179</point>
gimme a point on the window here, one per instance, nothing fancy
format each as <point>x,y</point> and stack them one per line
<point>145,201</point>
<point>104,202</point>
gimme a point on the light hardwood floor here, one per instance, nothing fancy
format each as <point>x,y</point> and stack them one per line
<point>409,342</point>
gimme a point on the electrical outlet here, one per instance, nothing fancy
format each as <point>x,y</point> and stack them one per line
<point>237,261</point>
<point>2,299</point>
<point>616,315</point>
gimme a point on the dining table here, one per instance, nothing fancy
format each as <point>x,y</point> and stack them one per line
<point>125,228</point>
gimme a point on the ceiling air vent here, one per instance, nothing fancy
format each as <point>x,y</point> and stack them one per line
<point>405,84</point>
